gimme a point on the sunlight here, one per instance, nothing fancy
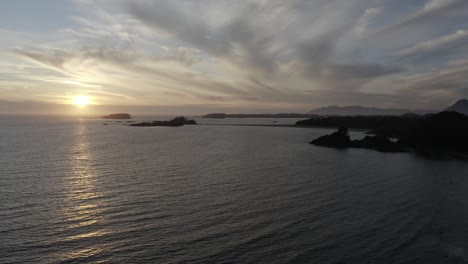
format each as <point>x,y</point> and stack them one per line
<point>81,100</point>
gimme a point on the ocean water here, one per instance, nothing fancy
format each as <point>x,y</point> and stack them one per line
<point>75,191</point>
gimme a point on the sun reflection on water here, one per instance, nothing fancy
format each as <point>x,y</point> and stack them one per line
<point>83,201</point>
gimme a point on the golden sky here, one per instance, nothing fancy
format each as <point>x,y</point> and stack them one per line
<point>233,56</point>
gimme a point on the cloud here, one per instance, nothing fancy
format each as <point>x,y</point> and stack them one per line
<point>364,21</point>
<point>436,4</point>
<point>428,19</point>
<point>264,53</point>
<point>186,56</point>
<point>451,78</point>
<point>460,37</point>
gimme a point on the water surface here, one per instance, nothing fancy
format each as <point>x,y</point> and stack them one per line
<point>75,191</point>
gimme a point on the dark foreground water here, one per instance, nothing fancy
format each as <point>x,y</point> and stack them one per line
<point>75,191</point>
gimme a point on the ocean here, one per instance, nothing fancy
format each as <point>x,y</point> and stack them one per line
<point>73,190</point>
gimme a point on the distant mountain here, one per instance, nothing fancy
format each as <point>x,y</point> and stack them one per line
<point>461,106</point>
<point>362,110</point>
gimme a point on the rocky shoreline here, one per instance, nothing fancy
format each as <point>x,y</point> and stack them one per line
<point>442,133</point>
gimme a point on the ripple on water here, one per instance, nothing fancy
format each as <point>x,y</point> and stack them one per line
<point>213,194</point>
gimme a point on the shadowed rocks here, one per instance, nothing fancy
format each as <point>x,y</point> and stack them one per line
<point>378,143</point>
<point>442,133</point>
<point>340,139</point>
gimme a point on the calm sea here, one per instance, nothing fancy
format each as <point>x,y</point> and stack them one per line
<point>73,190</point>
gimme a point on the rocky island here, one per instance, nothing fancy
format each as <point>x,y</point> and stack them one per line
<point>340,139</point>
<point>442,133</point>
<point>178,121</point>
<point>118,116</point>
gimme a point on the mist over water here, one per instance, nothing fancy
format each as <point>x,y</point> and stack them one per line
<point>75,191</point>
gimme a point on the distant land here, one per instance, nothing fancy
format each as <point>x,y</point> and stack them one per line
<point>280,115</point>
<point>363,110</point>
<point>461,106</point>
<point>118,116</point>
<point>384,125</point>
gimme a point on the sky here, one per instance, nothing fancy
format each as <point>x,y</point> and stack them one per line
<point>201,56</point>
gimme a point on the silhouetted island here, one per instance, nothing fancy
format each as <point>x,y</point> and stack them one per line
<point>178,121</point>
<point>340,139</point>
<point>445,132</point>
<point>118,116</point>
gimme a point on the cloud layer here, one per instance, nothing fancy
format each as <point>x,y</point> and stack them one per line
<point>264,55</point>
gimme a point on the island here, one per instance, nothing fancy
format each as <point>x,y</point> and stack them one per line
<point>118,116</point>
<point>442,133</point>
<point>340,139</point>
<point>178,121</point>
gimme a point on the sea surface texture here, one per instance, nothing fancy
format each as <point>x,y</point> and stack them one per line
<point>73,190</point>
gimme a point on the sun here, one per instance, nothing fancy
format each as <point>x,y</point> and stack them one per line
<point>81,100</point>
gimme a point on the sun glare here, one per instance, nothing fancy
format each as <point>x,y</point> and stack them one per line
<point>81,100</point>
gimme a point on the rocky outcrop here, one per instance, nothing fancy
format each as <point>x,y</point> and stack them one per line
<point>340,139</point>
<point>378,143</point>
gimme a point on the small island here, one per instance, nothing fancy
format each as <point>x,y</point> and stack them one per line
<point>118,116</point>
<point>178,121</point>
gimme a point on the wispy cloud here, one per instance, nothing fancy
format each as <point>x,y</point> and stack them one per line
<point>460,37</point>
<point>269,54</point>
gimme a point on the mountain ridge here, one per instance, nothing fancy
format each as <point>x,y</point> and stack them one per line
<point>460,106</point>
